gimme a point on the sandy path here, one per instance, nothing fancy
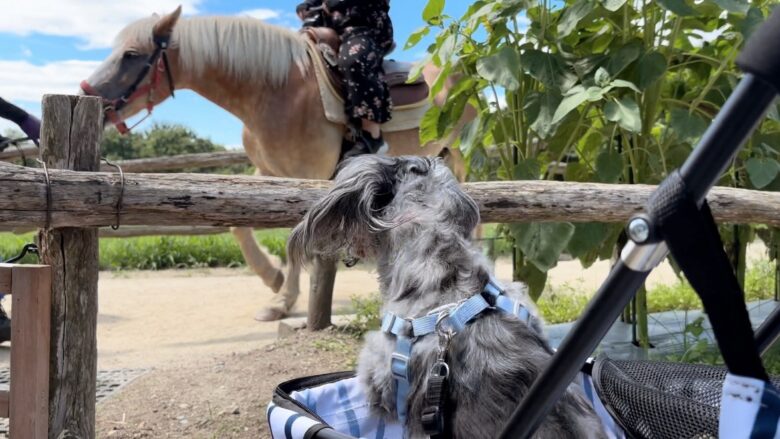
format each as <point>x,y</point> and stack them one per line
<point>168,318</point>
<point>152,319</point>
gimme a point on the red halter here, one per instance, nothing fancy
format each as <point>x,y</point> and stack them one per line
<point>157,63</point>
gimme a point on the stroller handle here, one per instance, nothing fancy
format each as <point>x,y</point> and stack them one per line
<point>761,55</point>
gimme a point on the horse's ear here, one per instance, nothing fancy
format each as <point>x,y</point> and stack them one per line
<point>164,26</point>
<point>444,154</point>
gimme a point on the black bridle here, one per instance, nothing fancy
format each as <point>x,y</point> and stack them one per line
<point>157,62</point>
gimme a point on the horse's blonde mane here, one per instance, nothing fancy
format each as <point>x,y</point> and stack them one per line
<point>245,47</point>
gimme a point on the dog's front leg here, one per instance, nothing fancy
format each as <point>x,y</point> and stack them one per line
<point>374,373</point>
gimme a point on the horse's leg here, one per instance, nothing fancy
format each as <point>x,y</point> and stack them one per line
<point>259,261</point>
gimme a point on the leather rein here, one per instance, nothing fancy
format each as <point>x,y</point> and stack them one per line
<point>157,63</point>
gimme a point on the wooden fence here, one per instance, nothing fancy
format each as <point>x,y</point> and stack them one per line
<point>27,403</point>
<point>72,199</point>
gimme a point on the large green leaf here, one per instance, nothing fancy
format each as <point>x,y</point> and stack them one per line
<point>733,6</point>
<point>762,171</point>
<point>612,5</point>
<point>625,112</point>
<point>574,98</point>
<point>679,7</point>
<point>542,243</point>
<point>534,278</point>
<point>548,68</point>
<point>609,166</point>
<point>429,125</point>
<point>586,237</point>
<point>621,58</point>
<point>432,11</point>
<point>652,66</point>
<point>688,127</point>
<point>469,136</point>
<point>527,169</point>
<point>543,124</point>
<point>572,15</point>
<point>416,36</point>
<point>501,68</point>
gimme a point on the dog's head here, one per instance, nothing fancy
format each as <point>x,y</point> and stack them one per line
<point>378,200</point>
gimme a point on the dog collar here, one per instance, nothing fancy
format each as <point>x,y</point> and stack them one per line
<point>452,317</point>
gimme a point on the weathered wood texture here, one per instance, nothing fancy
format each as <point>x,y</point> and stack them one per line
<point>13,153</point>
<point>5,278</point>
<point>70,138</point>
<point>184,161</point>
<point>30,342</point>
<point>89,199</point>
<point>135,231</point>
<point>323,277</point>
<point>5,403</point>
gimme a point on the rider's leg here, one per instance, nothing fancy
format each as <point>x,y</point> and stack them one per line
<point>368,98</point>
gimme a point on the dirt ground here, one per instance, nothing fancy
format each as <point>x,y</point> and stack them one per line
<point>211,366</point>
<point>220,398</point>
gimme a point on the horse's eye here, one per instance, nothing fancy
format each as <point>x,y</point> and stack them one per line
<point>130,54</point>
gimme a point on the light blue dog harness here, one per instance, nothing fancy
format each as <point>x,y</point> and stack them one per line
<point>453,318</point>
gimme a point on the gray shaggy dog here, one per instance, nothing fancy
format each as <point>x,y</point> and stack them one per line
<point>410,215</point>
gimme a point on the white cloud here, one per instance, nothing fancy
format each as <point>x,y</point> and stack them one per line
<point>95,22</point>
<point>262,14</point>
<point>26,52</point>
<point>21,80</point>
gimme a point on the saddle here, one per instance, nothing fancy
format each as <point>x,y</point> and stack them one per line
<point>396,73</point>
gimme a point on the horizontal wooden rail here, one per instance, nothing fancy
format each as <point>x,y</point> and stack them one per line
<point>184,161</point>
<point>84,199</point>
<point>136,231</point>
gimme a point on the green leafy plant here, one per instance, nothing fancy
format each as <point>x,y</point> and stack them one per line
<point>606,91</point>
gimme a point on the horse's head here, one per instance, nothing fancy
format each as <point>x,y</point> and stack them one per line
<point>137,75</point>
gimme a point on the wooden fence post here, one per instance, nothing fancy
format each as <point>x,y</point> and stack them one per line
<point>70,139</point>
<point>323,276</point>
<point>30,332</point>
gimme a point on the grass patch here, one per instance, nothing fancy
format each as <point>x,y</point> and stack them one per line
<point>164,252</point>
<point>565,303</point>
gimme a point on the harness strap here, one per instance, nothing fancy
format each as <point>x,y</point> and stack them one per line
<point>399,367</point>
<point>455,318</point>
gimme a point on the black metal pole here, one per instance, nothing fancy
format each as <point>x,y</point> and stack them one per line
<point>744,109</point>
<point>769,331</point>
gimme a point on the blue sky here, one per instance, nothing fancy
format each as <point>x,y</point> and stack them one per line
<point>49,46</point>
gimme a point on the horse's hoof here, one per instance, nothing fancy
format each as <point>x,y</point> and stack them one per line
<point>270,315</point>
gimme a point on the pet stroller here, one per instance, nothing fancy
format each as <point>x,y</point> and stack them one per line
<point>640,399</point>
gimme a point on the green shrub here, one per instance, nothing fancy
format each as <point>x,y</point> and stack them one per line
<point>164,252</point>
<point>367,316</point>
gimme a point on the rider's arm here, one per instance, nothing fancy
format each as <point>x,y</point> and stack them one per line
<point>12,112</point>
<point>27,122</point>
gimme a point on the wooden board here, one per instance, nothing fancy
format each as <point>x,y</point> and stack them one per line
<point>82,199</point>
<point>30,342</point>
<point>5,279</point>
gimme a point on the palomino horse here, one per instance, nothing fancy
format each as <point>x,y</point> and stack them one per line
<point>261,74</point>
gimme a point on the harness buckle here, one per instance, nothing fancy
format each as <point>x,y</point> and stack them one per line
<point>399,367</point>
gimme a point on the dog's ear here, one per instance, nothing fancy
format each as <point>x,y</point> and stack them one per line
<point>350,215</point>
